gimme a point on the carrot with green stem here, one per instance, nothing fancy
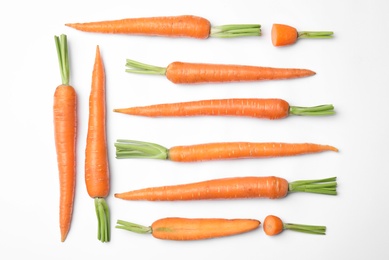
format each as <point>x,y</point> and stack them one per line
<point>270,187</point>
<point>169,26</point>
<point>65,134</point>
<point>192,73</point>
<point>282,35</point>
<point>183,229</point>
<point>96,156</point>
<point>273,225</point>
<point>248,107</point>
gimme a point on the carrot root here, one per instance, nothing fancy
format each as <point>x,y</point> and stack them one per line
<point>103,220</point>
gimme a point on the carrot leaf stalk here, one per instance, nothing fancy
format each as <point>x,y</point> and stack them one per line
<point>235,30</point>
<point>63,57</point>
<point>129,226</point>
<point>321,110</point>
<point>309,229</point>
<point>315,34</point>
<point>138,149</point>
<point>142,68</point>
<point>103,217</point>
<point>321,186</point>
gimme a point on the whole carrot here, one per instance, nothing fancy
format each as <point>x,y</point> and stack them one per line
<point>192,228</point>
<point>65,134</point>
<point>249,107</point>
<point>191,73</point>
<point>96,157</point>
<point>169,26</point>
<point>232,188</point>
<point>282,35</point>
<point>215,151</point>
<point>273,225</point>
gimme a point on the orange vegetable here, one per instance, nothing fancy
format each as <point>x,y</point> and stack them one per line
<point>190,73</point>
<point>96,157</point>
<point>65,130</point>
<point>282,35</point>
<point>170,26</point>
<point>232,188</point>
<point>215,151</point>
<point>250,107</point>
<point>273,225</point>
<point>192,229</point>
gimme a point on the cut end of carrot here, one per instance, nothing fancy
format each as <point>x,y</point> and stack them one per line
<point>282,35</point>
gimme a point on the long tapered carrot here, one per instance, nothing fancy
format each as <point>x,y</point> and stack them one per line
<point>232,188</point>
<point>282,35</point>
<point>169,26</point>
<point>249,107</point>
<point>192,73</point>
<point>183,229</point>
<point>96,156</point>
<point>65,130</point>
<point>273,225</point>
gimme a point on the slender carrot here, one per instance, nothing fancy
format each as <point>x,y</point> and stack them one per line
<point>250,107</point>
<point>273,225</point>
<point>169,26</point>
<point>232,188</point>
<point>65,130</point>
<point>215,151</point>
<point>282,35</point>
<point>192,229</point>
<point>190,73</point>
<point>96,158</point>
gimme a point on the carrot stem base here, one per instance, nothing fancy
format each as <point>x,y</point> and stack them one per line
<point>322,186</point>
<point>103,218</point>
<point>322,110</point>
<point>309,229</point>
<point>235,30</point>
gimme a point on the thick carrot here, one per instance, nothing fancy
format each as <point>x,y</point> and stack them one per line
<point>273,225</point>
<point>192,229</point>
<point>65,130</point>
<point>249,107</point>
<point>96,157</point>
<point>215,151</point>
<point>169,26</point>
<point>282,35</point>
<point>190,73</point>
<point>232,188</point>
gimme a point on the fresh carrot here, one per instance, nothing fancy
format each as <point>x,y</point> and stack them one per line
<point>249,107</point>
<point>190,73</point>
<point>169,26</point>
<point>215,151</point>
<point>273,225</point>
<point>65,130</point>
<point>232,188</point>
<point>96,157</point>
<point>282,35</point>
<point>192,228</point>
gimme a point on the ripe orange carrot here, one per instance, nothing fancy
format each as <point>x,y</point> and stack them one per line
<point>169,26</point>
<point>96,157</point>
<point>65,130</point>
<point>282,35</point>
<point>192,229</point>
<point>215,151</point>
<point>273,225</point>
<point>190,73</point>
<point>232,188</point>
<point>250,107</point>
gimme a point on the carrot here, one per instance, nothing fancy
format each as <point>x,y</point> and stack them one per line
<point>215,151</point>
<point>232,188</point>
<point>96,158</point>
<point>65,134</point>
<point>169,26</point>
<point>192,229</point>
<point>189,73</point>
<point>250,107</point>
<point>282,35</point>
<point>273,225</point>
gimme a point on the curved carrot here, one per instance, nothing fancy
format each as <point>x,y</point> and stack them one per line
<point>65,130</point>
<point>192,229</point>
<point>96,157</point>
<point>282,35</point>
<point>169,26</point>
<point>249,107</point>
<point>273,225</point>
<point>190,73</point>
<point>232,188</point>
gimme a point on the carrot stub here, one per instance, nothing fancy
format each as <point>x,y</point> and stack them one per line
<point>169,26</point>
<point>65,134</point>
<point>273,225</point>
<point>192,228</point>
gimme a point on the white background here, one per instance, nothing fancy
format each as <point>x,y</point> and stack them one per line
<point>352,73</point>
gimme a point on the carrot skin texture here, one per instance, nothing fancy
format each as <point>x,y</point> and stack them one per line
<point>283,35</point>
